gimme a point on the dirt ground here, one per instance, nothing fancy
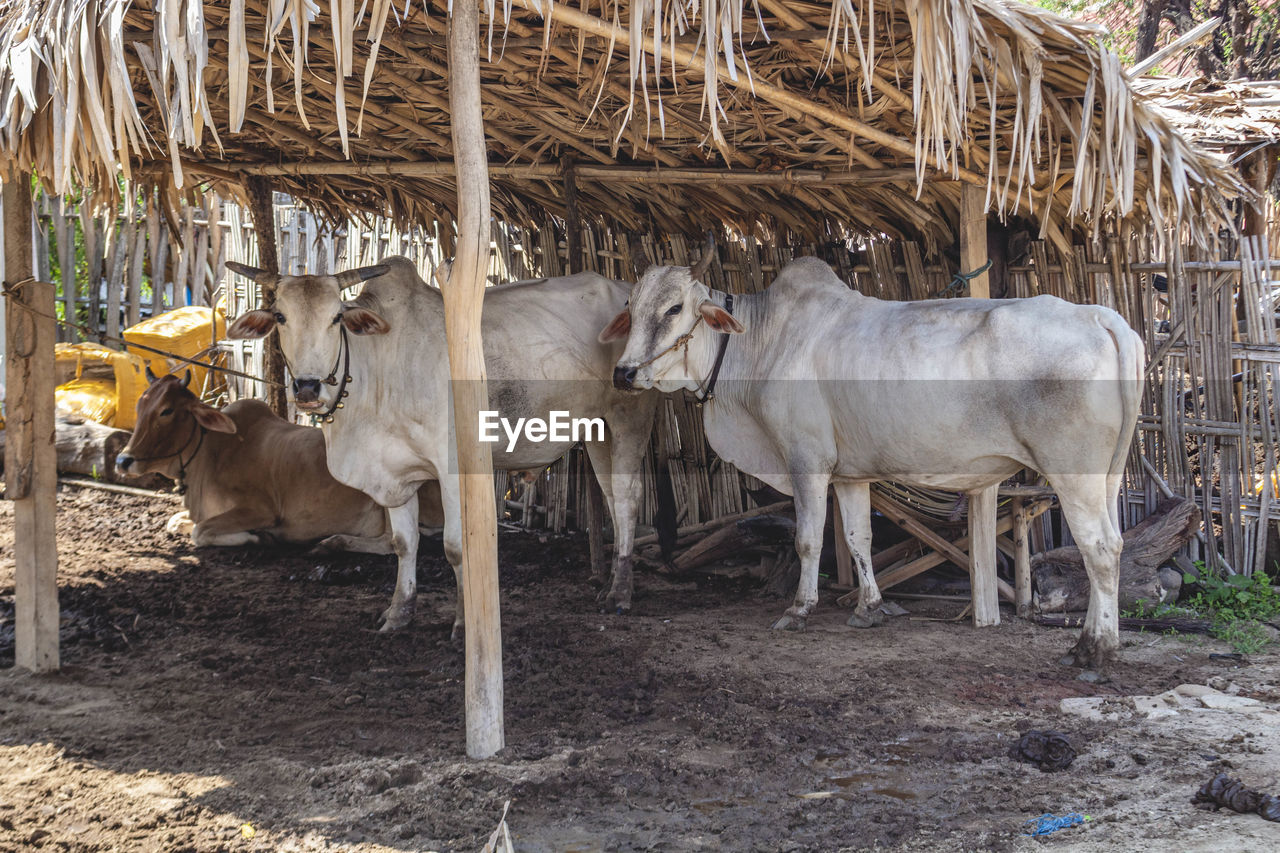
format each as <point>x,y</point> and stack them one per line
<point>214,695</point>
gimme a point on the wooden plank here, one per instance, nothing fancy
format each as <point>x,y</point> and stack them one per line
<point>463,299</point>
<point>973,238</point>
<point>30,458</point>
<point>897,575</point>
<point>894,511</point>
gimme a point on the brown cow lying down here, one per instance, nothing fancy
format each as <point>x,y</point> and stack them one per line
<point>247,476</point>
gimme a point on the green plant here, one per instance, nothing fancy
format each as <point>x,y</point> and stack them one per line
<point>1235,596</point>
<point>1237,605</point>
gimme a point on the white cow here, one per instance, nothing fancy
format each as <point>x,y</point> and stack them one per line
<point>820,385</point>
<point>394,429</point>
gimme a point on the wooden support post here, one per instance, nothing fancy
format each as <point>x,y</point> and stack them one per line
<point>31,474</point>
<point>463,303</point>
<point>844,559</point>
<point>264,228</point>
<point>973,238</point>
<point>594,496</point>
<point>1021,558</point>
<point>982,556</point>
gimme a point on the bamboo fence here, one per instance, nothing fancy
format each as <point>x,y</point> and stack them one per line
<point>1209,425</point>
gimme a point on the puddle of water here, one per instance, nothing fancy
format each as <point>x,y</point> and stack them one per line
<point>867,783</point>
<point>713,806</point>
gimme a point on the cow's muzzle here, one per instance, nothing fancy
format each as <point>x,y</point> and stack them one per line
<point>306,393</point>
<point>624,378</point>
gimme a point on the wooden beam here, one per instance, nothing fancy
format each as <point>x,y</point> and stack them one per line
<point>262,211</point>
<point>1021,558</point>
<point>982,557</point>
<point>31,474</point>
<point>895,575</point>
<point>816,178</point>
<point>973,238</point>
<point>844,559</point>
<point>594,496</point>
<point>463,302</point>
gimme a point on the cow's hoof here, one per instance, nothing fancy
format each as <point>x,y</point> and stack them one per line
<point>866,620</point>
<point>179,524</point>
<point>330,545</point>
<point>396,617</point>
<point>1088,655</point>
<point>617,608</point>
<point>789,622</point>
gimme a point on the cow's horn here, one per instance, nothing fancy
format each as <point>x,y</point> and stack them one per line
<point>698,270</point>
<point>347,278</point>
<point>186,379</point>
<point>247,271</point>
<point>151,377</point>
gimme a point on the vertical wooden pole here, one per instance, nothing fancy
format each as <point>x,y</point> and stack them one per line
<point>844,559</point>
<point>463,301</point>
<point>982,556</point>
<point>973,238</point>
<point>594,497</point>
<point>264,227</point>
<point>31,474</point>
<point>1021,558</point>
<point>982,503</point>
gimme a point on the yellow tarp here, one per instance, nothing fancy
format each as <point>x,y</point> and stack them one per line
<point>187,332</point>
<point>91,399</point>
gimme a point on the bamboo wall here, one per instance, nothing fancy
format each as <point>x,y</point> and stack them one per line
<point>1209,425</point>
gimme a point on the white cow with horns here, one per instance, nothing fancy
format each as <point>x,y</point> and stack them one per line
<point>819,385</point>
<point>376,369</point>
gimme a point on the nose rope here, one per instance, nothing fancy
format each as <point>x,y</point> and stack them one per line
<point>180,486</point>
<point>344,356</point>
<point>680,342</point>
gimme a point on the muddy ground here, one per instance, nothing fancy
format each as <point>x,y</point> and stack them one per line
<point>212,695</point>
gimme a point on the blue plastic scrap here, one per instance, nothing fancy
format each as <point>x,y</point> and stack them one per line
<point>1049,822</point>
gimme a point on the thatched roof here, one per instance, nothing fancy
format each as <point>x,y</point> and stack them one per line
<point>819,115</point>
<point>1218,115</point>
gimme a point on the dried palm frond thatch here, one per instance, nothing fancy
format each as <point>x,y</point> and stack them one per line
<point>799,115</point>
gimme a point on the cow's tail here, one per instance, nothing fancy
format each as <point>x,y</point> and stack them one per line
<point>665,517</point>
<point>1132,355</point>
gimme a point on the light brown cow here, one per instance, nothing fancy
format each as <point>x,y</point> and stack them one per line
<point>248,476</point>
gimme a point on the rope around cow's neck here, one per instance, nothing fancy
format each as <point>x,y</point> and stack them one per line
<point>180,486</point>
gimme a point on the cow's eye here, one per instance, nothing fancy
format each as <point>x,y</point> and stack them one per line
<point>337,319</point>
<point>164,413</point>
<point>279,318</point>
<point>674,310</point>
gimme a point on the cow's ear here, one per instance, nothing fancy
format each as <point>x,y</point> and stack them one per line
<point>362,321</point>
<point>618,329</point>
<point>720,320</point>
<point>212,419</point>
<point>252,324</point>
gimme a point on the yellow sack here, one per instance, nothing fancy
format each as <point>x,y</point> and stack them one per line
<point>183,331</point>
<point>84,360</point>
<point>91,399</point>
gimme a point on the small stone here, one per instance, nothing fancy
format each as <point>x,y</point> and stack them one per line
<point>1139,758</point>
<point>1193,691</point>
<point>1221,702</point>
<point>1083,706</point>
